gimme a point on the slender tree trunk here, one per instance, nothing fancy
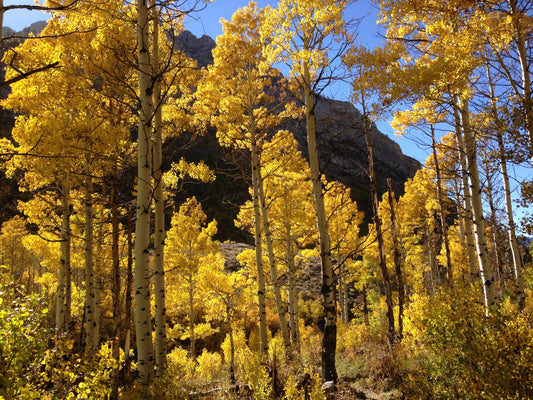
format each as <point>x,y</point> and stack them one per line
<point>63,279</point>
<point>487,275</point>
<point>91,334</point>
<point>68,267</point>
<point>231,346</point>
<point>379,235</point>
<point>159,202</point>
<point>342,291</point>
<point>365,307</point>
<point>398,262</point>
<point>99,284</point>
<point>191,316</point>
<point>1,24</point>
<point>521,46</point>
<point>493,222</point>
<point>273,267</point>
<point>513,243</point>
<point>143,324</point>
<point>293,300</point>
<point>329,341</point>
<point>470,242</point>
<point>433,266</point>
<point>128,297</point>
<point>261,285</point>
<point>115,288</point>
<point>442,210</point>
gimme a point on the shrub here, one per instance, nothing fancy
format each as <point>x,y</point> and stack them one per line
<point>257,377</point>
<point>452,350</point>
<point>209,365</point>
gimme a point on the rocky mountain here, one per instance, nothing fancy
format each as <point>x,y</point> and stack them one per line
<point>342,147</point>
<point>197,48</point>
<point>34,28</point>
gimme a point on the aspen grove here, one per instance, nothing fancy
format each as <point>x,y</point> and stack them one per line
<point>171,227</point>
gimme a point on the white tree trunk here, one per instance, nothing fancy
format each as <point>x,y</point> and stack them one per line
<point>91,333</point>
<point>329,342</point>
<point>485,269</point>
<point>261,285</point>
<point>293,299</point>
<point>513,243</point>
<point>467,202</point>
<point>63,296</point>
<point>525,67</point>
<point>159,202</point>
<point>273,266</point>
<point>442,210</point>
<point>143,324</point>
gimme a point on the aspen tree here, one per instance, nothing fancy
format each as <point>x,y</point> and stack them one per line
<point>115,287</point>
<point>398,261</point>
<point>64,284</point>
<point>344,219</point>
<point>443,214</point>
<point>190,244</point>
<point>305,35</point>
<point>499,130</point>
<point>516,20</point>
<point>444,50</point>
<point>91,333</point>
<point>379,233</point>
<point>143,324</point>
<point>234,93</point>
<point>467,202</point>
<point>159,205</point>
<point>485,268</point>
<point>489,190</point>
<point>75,126</point>
<point>288,193</point>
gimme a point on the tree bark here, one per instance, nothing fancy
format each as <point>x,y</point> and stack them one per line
<point>63,296</point>
<point>261,285</point>
<point>231,346</point>
<point>143,324</point>
<point>489,189</point>
<point>91,334</point>
<point>159,203</point>
<point>329,340</point>
<point>521,46</point>
<point>513,243</point>
<point>128,296</point>
<point>273,267</point>
<point>398,262</point>
<point>365,307</point>
<point>115,287</point>
<point>486,273</point>
<point>442,210</point>
<point>470,242</point>
<point>293,300</point>
<point>191,316</point>
<point>379,235</point>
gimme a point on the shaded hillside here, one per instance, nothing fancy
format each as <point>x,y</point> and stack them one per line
<point>342,152</point>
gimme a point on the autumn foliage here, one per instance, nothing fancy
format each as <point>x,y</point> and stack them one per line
<point>115,282</point>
